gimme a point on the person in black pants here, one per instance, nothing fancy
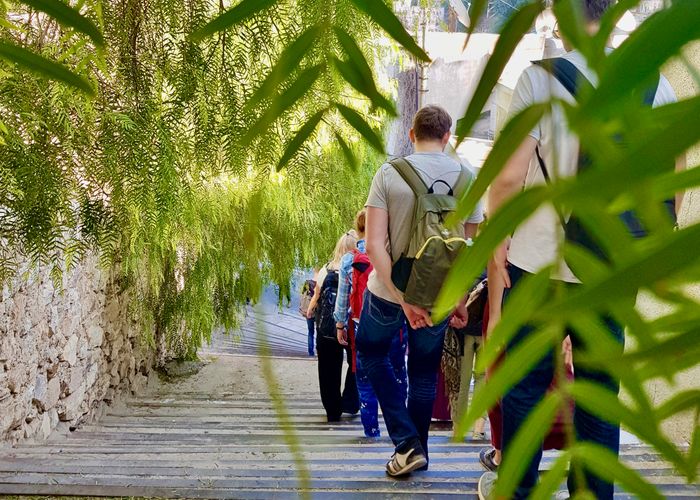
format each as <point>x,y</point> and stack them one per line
<point>329,352</point>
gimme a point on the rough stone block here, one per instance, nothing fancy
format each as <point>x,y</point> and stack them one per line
<point>53,417</point>
<point>70,350</point>
<point>46,393</point>
<point>83,348</point>
<point>41,390</point>
<point>74,380</point>
<point>69,408</point>
<point>45,427</point>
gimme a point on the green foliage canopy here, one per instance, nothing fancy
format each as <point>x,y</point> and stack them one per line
<point>201,148</point>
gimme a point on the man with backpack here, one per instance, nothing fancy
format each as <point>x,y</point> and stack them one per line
<point>411,249</point>
<point>550,150</point>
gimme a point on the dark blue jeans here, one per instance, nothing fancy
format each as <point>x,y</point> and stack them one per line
<point>526,394</point>
<point>368,399</point>
<point>310,325</point>
<point>380,323</point>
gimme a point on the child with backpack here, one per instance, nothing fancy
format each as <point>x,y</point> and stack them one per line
<point>329,352</point>
<point>355,269</point>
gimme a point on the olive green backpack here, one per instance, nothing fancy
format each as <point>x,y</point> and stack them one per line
<point>422,268</point>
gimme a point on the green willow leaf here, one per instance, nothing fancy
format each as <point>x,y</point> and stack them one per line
<point>686,318</point>
<point>511,34</point>
<point>477,8</point>
<point>354,52</point>
<point>625,70</point>
<point>470,263</point>
<point>350,157</point>
<point>694,452</point>
<point>671,347</point>
<point>356,72</point>
<point>236,15</point>
<point>684,401</point>
<point>381,14</point>
<point>350,73</point>
<point>600,401</point>
<point>525,298</point>
<point>283,102</point>
<point>607,25</point>
<point>45,67</point>
<point>605,464</point>
<point>288,61</point>
<point>585,266</point>
<point>506,144</point>
<point>300,138</point>
<point>528,439</point>
<point>68,16</point>
<point>516,365</point>
<point>671,183</point>
<point>656,264</point>
<point>572,24</point>
<point>608,230</point>
<point>550,480</point>
<point>684,361</point>
<point>358,123</point>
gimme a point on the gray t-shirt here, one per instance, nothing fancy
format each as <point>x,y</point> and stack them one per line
<point>390,192</point>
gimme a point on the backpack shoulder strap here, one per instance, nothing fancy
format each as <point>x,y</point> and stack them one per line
<point>409,174</point>
<point>462,183</point>
<point>650,93</point>
<point>566,73</point>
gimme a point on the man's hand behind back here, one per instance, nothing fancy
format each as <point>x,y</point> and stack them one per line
<point>416,316</point>
<point>460,316</point>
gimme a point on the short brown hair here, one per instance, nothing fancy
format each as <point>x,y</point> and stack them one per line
<point>594,9</point>
<point>431,123</point>
<point>360,219</point>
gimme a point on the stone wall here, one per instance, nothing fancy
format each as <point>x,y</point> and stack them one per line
<point>680,427</point>
<point>66,353</point>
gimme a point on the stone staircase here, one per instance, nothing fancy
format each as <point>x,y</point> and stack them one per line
<point>194,446</point>
<point>217,435</point>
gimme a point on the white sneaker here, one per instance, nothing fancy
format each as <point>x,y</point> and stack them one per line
<point>487,483</point>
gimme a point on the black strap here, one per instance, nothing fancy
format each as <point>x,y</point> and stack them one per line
<point>543,167</point>
<point>573,79</point>
<point>431,189</point>
<point>566,73</point>
<point>650,94</point>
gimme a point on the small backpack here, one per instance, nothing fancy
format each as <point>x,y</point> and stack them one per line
<point>575,231</point>
<point>361,268</point>
<point>307,293</point>
<point>325,322</point>
<point>422,268</point>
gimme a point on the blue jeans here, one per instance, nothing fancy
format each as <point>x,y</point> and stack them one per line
<point>526,394</point>
<point>368,399</point>
<point>311,324</point>
<point>380,323</point>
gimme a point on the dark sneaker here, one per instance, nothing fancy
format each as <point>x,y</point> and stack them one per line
<point>486,458</point>
<point>487,483</point>
<point>405,463</point>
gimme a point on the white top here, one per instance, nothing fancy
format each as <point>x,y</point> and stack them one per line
<point>535,242</point>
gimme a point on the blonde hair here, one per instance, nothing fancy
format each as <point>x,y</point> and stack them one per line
<point>346,243</point>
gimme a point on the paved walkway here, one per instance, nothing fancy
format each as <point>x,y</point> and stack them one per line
<point>218,434</point>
